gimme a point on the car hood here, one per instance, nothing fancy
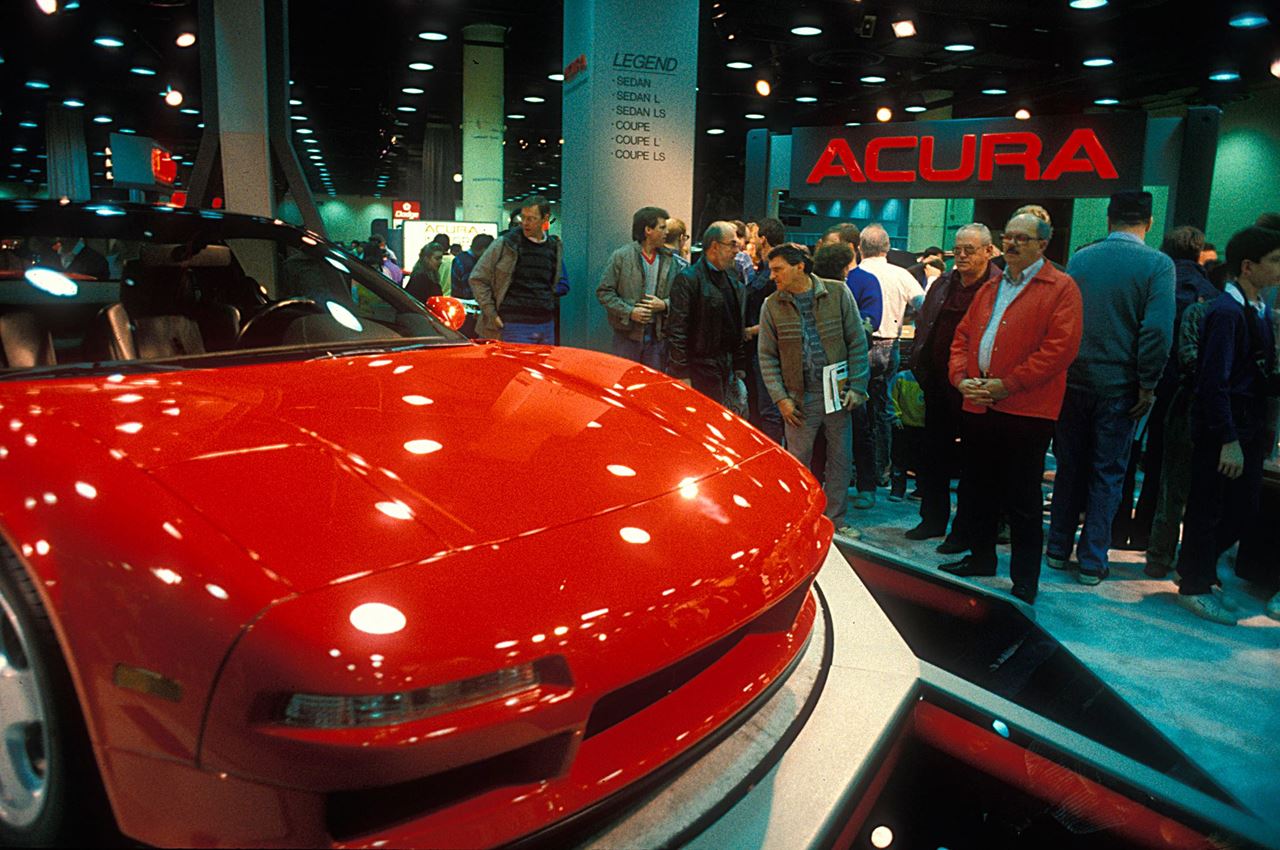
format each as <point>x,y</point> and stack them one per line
<point>337,467</point>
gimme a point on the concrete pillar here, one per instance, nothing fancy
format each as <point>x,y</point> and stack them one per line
<point>68,162</point>
<point>241,58</point>
<point>630,94</point>
<point>439,164</point>
<point>483,122</point>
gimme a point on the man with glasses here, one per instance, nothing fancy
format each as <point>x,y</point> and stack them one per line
<point>518,280</point>
<point>1009,361</point>
<point>945,304</point>
<point>705,340</point>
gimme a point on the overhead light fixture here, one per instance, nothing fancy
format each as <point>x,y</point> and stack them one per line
<point>872,79</point>
<point>102,119</point>
<point>108,41</point>
<point>754,116</point>
<point>853,123</point>
<point>189,111</point>
<point>173,97</point>
<point>1087,4</point>
<point>904,29</point>
<point>1224,76</point>
<point>413,90</point>
<point>995,91</point>
<point>1275,68</point>
<point>433,36</point>
<point>533,98</point>
<point>959,47</point>
<point>739,66</point>
<point>915,107</point>
<point>28,125</point>
<point>1248,20</point>
<point>73,103</point>
<point>884,113</point>
<point>185,39</point>
<point>293,101</point>
<point>806,31</point>
<point>806,99</point>
<point>406,109</point>
<point>516,117</point>
<point>715,131</point>
<point>1022,114</point>
<point>142,71</point>
<point>291,117</point>
<point>457,178</point>
<point>556,78</point>
<point>303,131</point>
<point>1106,101</point>
<point>37,84</point>
<point>47,6</point>
<point>1098,62</point>
<point>763,88</point>
<point>421,66</point>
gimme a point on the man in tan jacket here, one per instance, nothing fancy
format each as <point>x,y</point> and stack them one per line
<point>634,289</point>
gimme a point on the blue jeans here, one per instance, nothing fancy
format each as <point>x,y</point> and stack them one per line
<point>768,419</point>
<point>1092,444</point>
<point>537,333</point>
<point>838,430</point>
<point>649,351</point>
<point>883,357</point>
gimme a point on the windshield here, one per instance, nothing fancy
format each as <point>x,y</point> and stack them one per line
<point>98,285</point>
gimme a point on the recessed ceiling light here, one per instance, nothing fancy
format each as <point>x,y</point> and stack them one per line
<point>872,79</point>
<point>916,108</point>
<point>904,29</point>
<point>37,84</point>
<point>1022,114</point>
<point>108,41</point>
<point>47,6</point>
<point>293,117</point>
<point>739,66</point>
<point>995,91</point>
<point>432,36</point>
<point>130,131</point>
<point>189,111</point>
<point>1249,20</point>
<point>556,78</point>
<point>185,39</point>
<point>853,123</point>
<point>806,99</point>
<point>959,47</point>
<point>304,131</point>
<point>1224,76</point>
<point>421,66</point>
<point>715,131</point>
<point>763,88</point>
<point>1106,101</point>
<point>406,109</point>
<point>173,97</point>
<point>516,117</point>
<point>1087,4</point>
<point>884,113</point>
<point>73,103</point>
<point>143,71</point>
<point>754,116</point>
<point>19,149</point>
<point>533,98</point>
<point>1275,69</point>
<point>413,90</point>
<point>293,101</point>
<point>1098,62</point>
<point>29,125</point>
<point>806,31</point>
<point>102,119</point>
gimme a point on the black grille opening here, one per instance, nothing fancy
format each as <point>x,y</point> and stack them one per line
<point>352,813</point>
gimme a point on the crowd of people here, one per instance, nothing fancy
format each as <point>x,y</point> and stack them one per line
<point>1012,355</point>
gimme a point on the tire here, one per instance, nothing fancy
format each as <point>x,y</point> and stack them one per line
<point>50,791</point>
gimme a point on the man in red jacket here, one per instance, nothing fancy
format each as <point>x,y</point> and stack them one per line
<point>1009,361</point>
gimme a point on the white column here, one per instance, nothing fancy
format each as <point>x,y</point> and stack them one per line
<point>482,122</point>
<point>241,53</point>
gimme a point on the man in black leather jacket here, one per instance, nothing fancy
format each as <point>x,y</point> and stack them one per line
<point>705,318</point>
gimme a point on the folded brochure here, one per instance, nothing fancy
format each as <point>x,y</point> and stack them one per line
<point>835,383</point>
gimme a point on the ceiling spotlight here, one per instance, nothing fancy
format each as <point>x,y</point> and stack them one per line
<point>806,99</point>
<point>457,178</point>
<point>915,107</point>
<point>190,111</point>
<point>872,79</point>
<point>406,109</point>
<point>995,91</point>
<point>37,84</point>
<point>763,88</point>
<point>108,41</point>
<point>421,66</point>
<point>102,119</point>
<point>73,103</point>
<point>47,6</point>
<point>28,125</point>
<point>1224,76</point>
<point>1249,20</point>
<point>884,113</point>
<point>959,47</point>
<point>1087,4</point>
<point>142,71</point>
<point>556,78</point>
<point>516,117</point>
<point>1106,101</point>
<point>304,131</point>
<point>853,123</point>
<point>412,90</point>
<point>533,98</point>
<point>904,29</point>
<point>715,131</point>
<point>173,97</point>
<point>1022,114</point>
<point>806,31</point>
<point>1098,62</point>
<point>433,36</point>
<point>754,116</point>
<point>739,66</point>
<point>185,39</point>
<point>1275,68</point>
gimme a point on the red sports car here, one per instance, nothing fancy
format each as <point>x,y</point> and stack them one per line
<point>289,562</point>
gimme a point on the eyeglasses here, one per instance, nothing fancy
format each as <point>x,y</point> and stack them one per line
<point>1020,238</point>
<point>730,244</point>
<point>965,250</point>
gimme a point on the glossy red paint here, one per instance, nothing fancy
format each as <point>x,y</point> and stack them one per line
<point>218,526</point>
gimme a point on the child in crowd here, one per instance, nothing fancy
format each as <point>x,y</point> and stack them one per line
<point>908,424</point>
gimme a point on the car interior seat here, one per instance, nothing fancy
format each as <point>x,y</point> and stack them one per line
<point>25,341</point>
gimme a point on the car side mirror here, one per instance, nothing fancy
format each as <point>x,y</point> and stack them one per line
<point>448,310</point>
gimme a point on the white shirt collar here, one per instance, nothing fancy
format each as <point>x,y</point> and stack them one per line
<point>1238,294</point>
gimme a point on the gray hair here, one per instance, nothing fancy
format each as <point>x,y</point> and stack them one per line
<point>980,230</point>
<point>1043,230</point>
<point>719,231</point>
<point>874,241</point>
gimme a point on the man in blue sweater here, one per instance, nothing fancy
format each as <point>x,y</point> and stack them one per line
<point>1232,432</point>
<point>1128,293</point>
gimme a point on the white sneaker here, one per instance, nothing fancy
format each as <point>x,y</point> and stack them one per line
<point>1055,563</point>
<point>1207,606</point>
<point>1273,607</point>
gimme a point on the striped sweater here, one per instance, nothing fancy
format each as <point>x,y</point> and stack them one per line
<point>782,339</point>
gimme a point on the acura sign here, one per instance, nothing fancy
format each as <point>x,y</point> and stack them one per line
<point>1071,157</point>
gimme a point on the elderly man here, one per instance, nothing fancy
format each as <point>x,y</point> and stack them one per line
<point>805,326</point>
<point>898,291</point>
<point>1128,330</point>
<point>944,306</point>
<point>705,339</point>
<point>634,287</point>
<point>1009,361</point>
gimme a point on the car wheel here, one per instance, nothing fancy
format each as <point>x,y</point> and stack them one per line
<point>48,778</point>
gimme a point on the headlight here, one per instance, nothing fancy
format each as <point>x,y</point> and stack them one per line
<point>318,711</point>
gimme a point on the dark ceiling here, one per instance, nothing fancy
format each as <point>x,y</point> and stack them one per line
<point>350,63</point>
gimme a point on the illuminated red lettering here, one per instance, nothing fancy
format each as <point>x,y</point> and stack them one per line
<point>873,159</point>
<point>1028,157</point>
<point>836,160</point>
<point>1096,158</point>
<point>968,147</point>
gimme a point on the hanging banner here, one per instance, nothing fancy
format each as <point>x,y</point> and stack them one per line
<point>1055,157</point>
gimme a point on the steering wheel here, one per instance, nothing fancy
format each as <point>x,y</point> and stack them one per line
<point>285,311</point>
